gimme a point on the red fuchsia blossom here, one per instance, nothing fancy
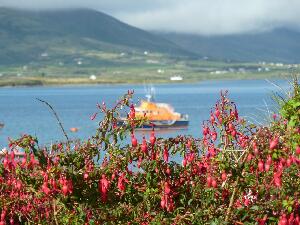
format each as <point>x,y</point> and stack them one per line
<point>65,189</point>
<point>260,166</point>
<point>139,162</point>
<point>33,162</point>
<point>205,141</point>
<point>233,133</point>
<point>214,183</point>
<point>85,176</point>
<point>45,188</point>
<point>132,112</point>
<point>205,130</point>
<point>103,188</point>
<point>121,182</point>
<point>238,204</point>
<point>170,204</point>
<point>283,220</point>
<point>191,157</point>
<point>269,159</point>
<point>113,176</point>
<point>152,138</point>
<point>280,165</point>
<point>212,151</point>
<point>298,150</point>
<point>144,147</point>
<point>209,180</point>
<point>168,171</point>
<point>3,215</point>
<point>274,143</point>
<point>163,201</point>
<point>5,162</point>
<point>297,220</point>
<point>235,113</point>
<point>249,157</point>
<point>262,221</point>
<point>167,199</point>
<point>291,219</point>
<point>220,119</point>
<point>231,126</point>
<point>214,136</point>
<point>53,184</point>
<point>184,162</point>
<point>189,144</point>
<point>224,176</point>
<point>212,119</point>
<point>289,161</point>
<point>167,188</point>
<point>277,179</point>
<point>217,112</point>
<point>18,185</point>
<point>70,186</point>
<point>166,154</point>
<point>255,149</point>
<point>133,141</point>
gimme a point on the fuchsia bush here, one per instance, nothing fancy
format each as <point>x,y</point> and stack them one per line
<point>237,173</point>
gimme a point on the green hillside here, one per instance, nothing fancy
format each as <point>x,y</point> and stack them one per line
<point>83,46</point>
<point>62,35</point>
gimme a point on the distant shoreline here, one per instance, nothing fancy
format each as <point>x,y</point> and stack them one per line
<point>73,81</point>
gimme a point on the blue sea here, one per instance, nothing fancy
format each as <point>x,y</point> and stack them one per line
<point>22,113</point>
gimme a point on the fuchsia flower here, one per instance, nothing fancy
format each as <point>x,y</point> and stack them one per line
<point>166,154</point>
<point>121,182</point>
<point>274,143</point>
<point>103,188</point>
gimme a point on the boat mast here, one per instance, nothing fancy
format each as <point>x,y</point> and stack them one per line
<point>150,93</point>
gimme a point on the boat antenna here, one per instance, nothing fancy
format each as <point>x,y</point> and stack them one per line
<point>150,93</point>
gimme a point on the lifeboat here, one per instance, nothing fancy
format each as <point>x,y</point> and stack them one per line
<point>157,115</point>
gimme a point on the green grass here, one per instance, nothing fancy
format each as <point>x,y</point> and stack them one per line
<point>112,67</point>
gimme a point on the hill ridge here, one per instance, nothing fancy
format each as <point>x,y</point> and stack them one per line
<point>24,34</point>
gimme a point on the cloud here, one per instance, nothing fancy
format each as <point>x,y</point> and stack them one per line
<point>208,17</point>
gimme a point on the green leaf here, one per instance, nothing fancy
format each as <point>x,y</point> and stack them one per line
<point>255,207</point>
<point>284,203</point>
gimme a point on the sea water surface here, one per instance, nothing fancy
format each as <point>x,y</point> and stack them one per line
<point>22,113</point>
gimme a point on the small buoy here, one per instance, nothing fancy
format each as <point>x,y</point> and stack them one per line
<point>74,129</point>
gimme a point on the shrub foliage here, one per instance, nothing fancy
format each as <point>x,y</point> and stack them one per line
<point>237,173</point>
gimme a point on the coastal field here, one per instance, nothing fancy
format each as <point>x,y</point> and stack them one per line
<point>134,67</point>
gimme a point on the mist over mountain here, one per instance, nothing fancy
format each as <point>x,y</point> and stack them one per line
<point>279,45</point>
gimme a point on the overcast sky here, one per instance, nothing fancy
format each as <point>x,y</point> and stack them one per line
<point>208,17</point>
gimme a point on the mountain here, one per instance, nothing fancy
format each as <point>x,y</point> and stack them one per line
<point>26,35</point>
<point>68,35</point>
<point>279,45</point>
